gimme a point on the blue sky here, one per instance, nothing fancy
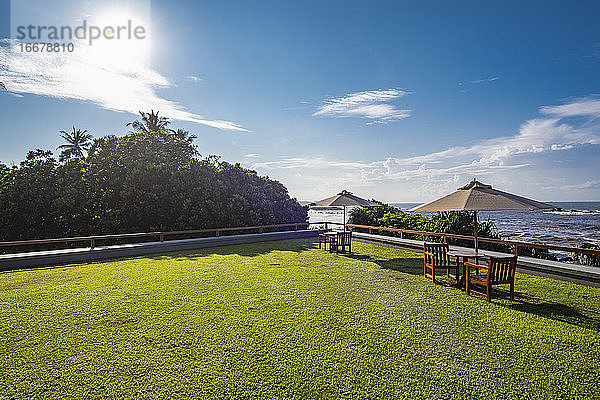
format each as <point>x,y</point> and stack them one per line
<point>400,101</point>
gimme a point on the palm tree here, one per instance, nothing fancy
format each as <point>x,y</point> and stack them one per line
<point>3,86</point>
<point>77,141</point>
<point>184,135</point>
<point>150,122</point>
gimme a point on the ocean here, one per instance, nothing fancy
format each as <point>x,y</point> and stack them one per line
<point>576,223</point>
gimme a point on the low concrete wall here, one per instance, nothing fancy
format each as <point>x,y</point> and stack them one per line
<point>582,274</point>
<point>67,256</point>
<point>553,269</point>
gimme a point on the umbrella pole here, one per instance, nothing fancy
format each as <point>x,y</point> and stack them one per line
<point>475,233</point>
<point>344,218</point>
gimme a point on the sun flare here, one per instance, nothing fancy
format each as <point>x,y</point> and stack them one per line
<point>124,36</point>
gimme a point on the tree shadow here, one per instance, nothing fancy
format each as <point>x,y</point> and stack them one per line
<point>244,250</point>
<point>558,312</point>
<point>413,266</point>
<point>523,302</point>
<point>409,265</point>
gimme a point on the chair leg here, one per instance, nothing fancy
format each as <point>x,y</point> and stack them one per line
<point>433,274</point>
<point>488,293</point>
<point>467,286</point>
<point>512,291</point>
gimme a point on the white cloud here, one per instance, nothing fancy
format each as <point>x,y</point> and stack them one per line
<point>587,106</point>
<point>535,136</point>
<point>579,186</point>
<point>371,105</point>
<point>478,81</point>
<point>193,78</point>
<point>438,172</point>
<point>252,155</point>
<point>87,74</point>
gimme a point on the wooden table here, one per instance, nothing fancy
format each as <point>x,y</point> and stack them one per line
<point>465,255</point>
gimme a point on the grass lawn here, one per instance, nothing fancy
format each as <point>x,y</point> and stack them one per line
<point>286,320</point>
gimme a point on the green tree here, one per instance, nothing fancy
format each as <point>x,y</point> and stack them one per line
<point>143,181</point>
<point>27,196</point>
<point>370,215</point>
<point>77,141</point>
<point>184,135</point>
<point>150,122</point>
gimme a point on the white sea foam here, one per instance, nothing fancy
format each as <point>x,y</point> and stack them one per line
<point>573,212</point>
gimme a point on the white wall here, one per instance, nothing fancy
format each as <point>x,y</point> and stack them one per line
<point>329,214</point>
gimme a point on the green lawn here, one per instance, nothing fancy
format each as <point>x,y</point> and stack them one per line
<point>286,320</point>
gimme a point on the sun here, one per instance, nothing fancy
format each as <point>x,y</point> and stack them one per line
<point>124,35</point>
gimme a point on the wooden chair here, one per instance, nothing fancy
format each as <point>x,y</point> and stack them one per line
<point>341,242</point>
<point>500,270</point>
<point>323,237</point>
<point>435,257</point>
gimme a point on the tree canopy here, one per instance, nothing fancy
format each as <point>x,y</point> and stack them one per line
<point>77,141</point>
<point>146,180</point>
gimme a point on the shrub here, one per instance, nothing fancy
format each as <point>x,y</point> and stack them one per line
<point>454,222</point>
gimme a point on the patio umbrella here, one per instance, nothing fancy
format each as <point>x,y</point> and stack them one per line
<point>345,199</point>
<point>477,196</point>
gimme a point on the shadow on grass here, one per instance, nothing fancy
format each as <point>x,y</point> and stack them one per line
<point>412,266</point>
<point>558,312</point>
<point>244,250</point>
<point>523,302</point>
<point>407,265</point>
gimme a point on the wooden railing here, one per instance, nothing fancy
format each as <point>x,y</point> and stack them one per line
<point>162,236</point>
<point>159,235</point>
<point>515,244</point>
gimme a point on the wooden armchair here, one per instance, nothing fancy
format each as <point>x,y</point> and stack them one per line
<point>500,270</point>
<point>323,237</point>
<point>435,257</point>
<point>341,242</point>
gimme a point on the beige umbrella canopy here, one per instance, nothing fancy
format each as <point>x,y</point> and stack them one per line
<point>345,199</point>
<point>477,196</point>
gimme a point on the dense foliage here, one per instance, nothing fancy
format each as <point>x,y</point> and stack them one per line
<point>588,259</point>
<point>455,222</point>
<point>144,181</point>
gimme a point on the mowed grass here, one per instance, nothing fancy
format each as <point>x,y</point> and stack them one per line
<point>286,320</point>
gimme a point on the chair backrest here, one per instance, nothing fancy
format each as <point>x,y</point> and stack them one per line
<point>502,269</point>
<point>435,254</point>
<point>344,238</point>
